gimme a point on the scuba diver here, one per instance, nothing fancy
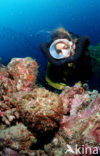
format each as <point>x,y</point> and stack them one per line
<point>68,58</point>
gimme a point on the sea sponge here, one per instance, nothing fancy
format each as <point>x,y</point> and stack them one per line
<point>41,110</point>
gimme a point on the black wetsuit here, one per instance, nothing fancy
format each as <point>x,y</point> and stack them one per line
<point>81,69</point>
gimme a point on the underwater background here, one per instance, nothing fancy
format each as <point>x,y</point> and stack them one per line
<point>24,24</point>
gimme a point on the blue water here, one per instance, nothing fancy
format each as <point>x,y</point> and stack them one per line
<point>24,24</point>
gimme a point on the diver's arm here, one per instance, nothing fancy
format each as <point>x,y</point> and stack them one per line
<point>81,45</point>
<point>86,64</point>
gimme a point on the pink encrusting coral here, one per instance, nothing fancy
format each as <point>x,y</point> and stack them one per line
<point>75,100</point>
<point>82,126</point>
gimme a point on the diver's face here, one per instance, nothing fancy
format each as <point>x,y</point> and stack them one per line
<point>61,47</point>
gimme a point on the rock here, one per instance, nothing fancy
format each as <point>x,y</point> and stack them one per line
<point>17,137</point>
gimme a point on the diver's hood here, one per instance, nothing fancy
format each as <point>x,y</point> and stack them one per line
<point>53,51</point>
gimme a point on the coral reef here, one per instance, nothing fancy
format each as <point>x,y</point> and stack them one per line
<point>28,112</point>
<point>22,103</point>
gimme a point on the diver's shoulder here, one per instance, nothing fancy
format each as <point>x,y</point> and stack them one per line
<point>83,40</point>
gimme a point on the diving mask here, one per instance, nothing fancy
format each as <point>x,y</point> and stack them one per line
<point>60,48</point>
